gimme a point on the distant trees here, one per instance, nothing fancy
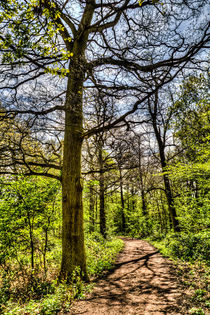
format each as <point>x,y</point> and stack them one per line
<point>149,161</point>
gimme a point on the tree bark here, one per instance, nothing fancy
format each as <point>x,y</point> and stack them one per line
<point>168,192</point>
<point>166,216</point>
<point>169,197</point>
<point>30,224</point>
<point>159,216</point>
<point>133,201</point>
<point>73,251</point>
<point>122,201</point>
<point>73,248</point>
<point>161,147</point>
<point>143,197</point>
<point>91,207</point>
<point>101,191</point>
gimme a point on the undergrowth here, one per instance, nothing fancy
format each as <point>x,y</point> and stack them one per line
<point>23,292</point>
<point>186,246</point>
<point>190,253</point>
<point>101,253</point>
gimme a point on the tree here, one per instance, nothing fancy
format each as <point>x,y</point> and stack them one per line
<point>27,214</point>
<point>191,117</point>
<point>73,40</point>
<point>160,126</point>
<point>190,169</point>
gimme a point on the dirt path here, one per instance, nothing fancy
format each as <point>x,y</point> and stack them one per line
<point>143,282</point>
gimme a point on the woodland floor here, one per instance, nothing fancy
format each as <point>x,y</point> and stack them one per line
<point>142,282</point>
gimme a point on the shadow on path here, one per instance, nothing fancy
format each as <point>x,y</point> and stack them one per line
<point>136,285</point>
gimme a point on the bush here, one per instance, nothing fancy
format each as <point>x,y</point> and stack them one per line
<point>37,295</point>
<point>101,253</point>
<point>50,304</point>
<point>189,247</point>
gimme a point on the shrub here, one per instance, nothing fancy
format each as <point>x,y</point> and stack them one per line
<point>101,253</point>
<point>189,247</point>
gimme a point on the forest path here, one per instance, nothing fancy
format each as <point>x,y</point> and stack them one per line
<point>142,282</point>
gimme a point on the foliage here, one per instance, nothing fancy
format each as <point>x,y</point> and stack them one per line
<point>60,297</point>
<point>38,292</point>
<point>196,311</point>
<point>15,16</point>
<point>190,255</point>
<point>101,253</point>
<point>28,213</point>
<point>186,246</point>
<point>192,118</point>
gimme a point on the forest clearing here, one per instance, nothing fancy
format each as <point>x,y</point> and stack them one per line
<point>104,153</point>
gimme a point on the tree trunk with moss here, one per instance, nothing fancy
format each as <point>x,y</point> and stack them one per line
<point>73,251</point>
<point>73,248</point>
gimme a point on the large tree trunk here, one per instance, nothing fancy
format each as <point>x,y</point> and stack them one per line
<point>73,248</point>
<point>73,251</point>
